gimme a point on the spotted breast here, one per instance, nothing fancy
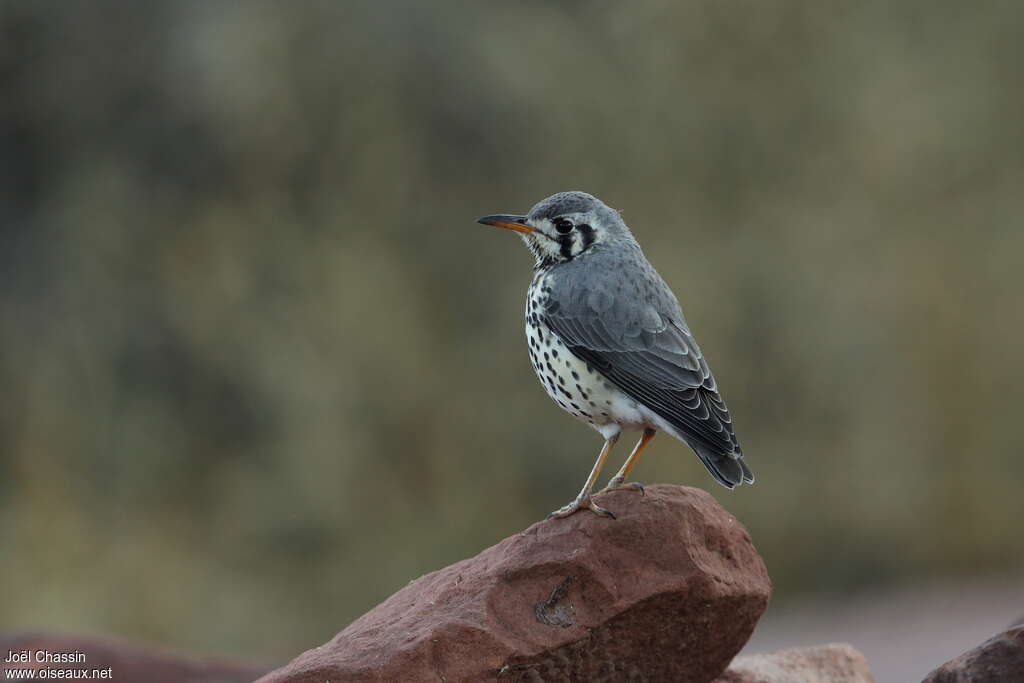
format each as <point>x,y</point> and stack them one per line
<point>572,383</point>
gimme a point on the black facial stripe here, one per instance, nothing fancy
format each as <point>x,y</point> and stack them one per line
<point>566,244</point>
<point>588,236</point>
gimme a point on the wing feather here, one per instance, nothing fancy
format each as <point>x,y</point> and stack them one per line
<point>633,332</point>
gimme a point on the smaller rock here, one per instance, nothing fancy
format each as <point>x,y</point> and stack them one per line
<point>997,660</point>
<point>834,663</point>
<point>126,662</point>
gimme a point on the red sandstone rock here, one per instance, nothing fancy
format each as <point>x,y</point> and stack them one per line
<point>668,592</point>
<point>998,660</point>
<point>834,663</point>
<point>127,663</point>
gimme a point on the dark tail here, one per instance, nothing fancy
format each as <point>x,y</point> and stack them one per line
<point>728,469</point>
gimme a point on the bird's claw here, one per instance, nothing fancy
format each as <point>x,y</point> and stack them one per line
<point>581,504</point>
<point>616,483</point>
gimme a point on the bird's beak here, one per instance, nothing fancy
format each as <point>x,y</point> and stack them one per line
<point>507,221</point>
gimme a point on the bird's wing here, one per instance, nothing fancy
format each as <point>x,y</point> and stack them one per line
<point>631,329</point>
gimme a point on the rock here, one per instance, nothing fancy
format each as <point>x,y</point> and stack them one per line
<point>834,663</point>
<point>998,659</point>
<point>669,592</point>
<point>128,663</point>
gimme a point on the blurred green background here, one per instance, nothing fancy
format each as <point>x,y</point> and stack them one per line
<point>261,368</point>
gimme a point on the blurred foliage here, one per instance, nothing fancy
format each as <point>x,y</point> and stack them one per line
<point>261,368</point>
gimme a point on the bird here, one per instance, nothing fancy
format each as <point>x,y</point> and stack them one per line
<point>609,343</point>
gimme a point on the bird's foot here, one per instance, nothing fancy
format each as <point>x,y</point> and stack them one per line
<point>617,483</point>
<point>581,504</point>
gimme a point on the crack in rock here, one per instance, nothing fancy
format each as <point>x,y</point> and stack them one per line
<point>550,613</point>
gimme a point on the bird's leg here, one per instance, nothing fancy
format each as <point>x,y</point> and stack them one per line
<point>617,480</point>
<point>583,500</point>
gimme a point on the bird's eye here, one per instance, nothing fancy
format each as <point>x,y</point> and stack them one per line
<point>563,226</point>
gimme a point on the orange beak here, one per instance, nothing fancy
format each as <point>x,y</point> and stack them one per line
<point>508,221</point>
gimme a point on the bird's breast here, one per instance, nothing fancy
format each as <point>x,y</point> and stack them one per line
<point>573,384</point>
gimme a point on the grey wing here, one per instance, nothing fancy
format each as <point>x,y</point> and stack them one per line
<point>632,331</point>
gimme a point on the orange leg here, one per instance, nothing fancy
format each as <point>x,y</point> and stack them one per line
<point>583,501</point>
<point>617,480</point>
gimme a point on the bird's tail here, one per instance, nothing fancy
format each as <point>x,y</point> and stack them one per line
<point>727,468</point>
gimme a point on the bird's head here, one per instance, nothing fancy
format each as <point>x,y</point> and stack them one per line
<point>564,226</point>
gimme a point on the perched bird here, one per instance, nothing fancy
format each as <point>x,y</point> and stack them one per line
<point>609,343</point>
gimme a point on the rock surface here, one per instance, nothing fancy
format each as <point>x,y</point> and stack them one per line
<point>997,660</point>
<point>128,663</point>
<point>834,663</point>
<point>668,592</point>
